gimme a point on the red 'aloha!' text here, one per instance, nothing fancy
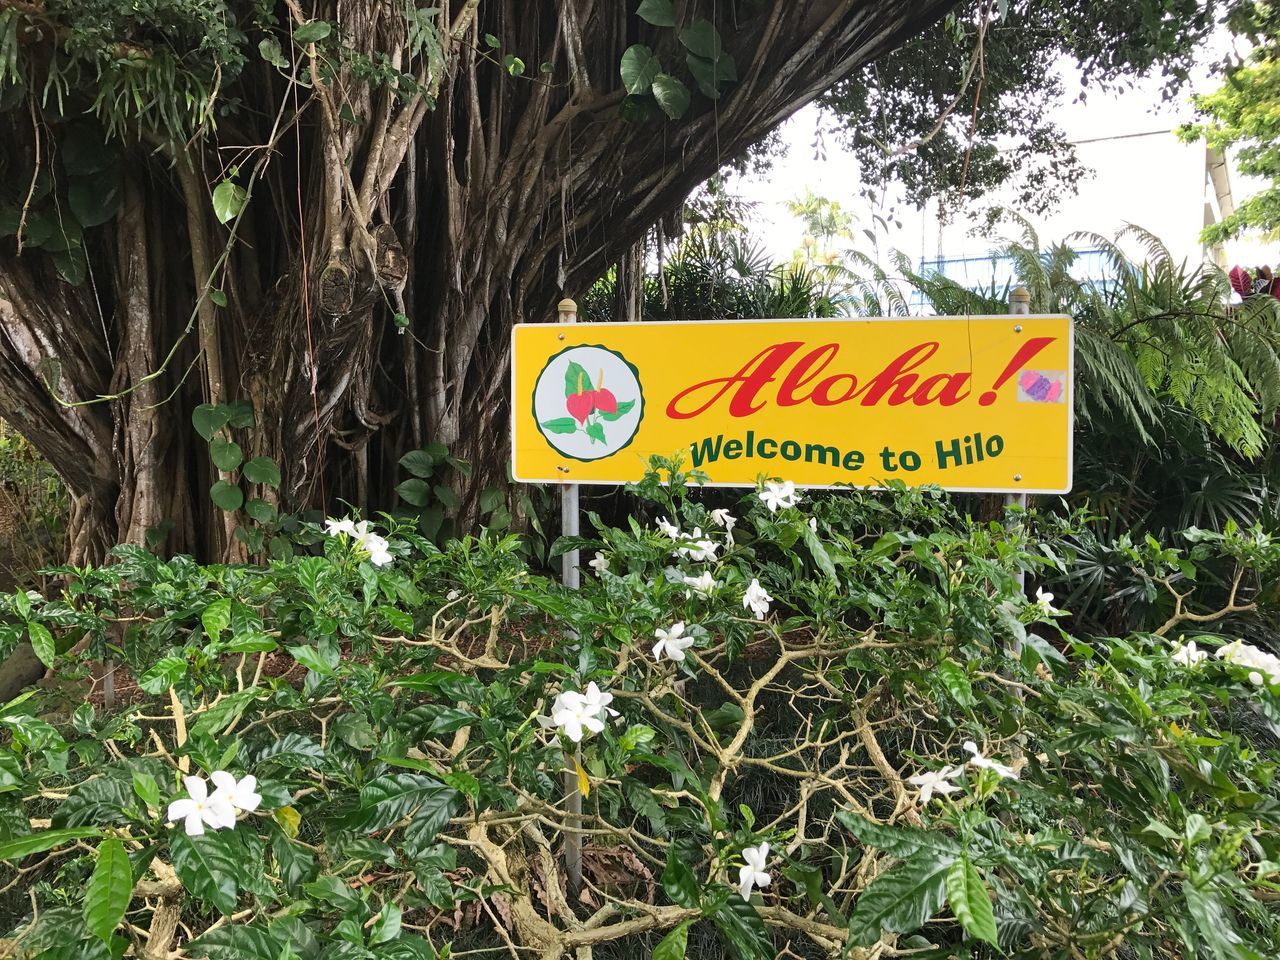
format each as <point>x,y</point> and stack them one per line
<point>802,377</point>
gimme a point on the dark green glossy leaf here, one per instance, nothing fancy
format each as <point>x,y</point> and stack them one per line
<point>970,901</point>
<point>109,890</point>
<point>902,900</point>
<point>678,881</point>
<point>208,867</point>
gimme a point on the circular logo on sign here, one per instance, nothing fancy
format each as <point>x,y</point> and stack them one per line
<point>588,403</point>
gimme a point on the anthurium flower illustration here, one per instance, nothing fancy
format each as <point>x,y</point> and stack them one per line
<point>589,405</point>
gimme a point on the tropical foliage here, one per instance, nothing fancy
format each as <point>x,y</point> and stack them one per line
<point>796,724</point>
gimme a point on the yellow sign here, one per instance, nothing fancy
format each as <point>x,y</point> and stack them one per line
<point>969,403</point>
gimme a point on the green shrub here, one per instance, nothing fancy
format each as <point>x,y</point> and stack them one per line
<point>935,764</point>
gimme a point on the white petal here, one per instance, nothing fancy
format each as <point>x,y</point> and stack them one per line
<point>197,789</point>
<point>194,824</point>
<point>746,880</point>
<point>179,809</point>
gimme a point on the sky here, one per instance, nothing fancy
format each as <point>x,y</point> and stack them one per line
<point>1141,174</point>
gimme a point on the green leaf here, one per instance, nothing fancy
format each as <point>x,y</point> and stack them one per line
<point>514,65</point>
<point>21,847</point>
<point>970,901</point>
<point>390,799</point>
<point>261,511</point>
<point>225,454</point>
<point>262,470</point>
<point>713,74</point>
<point>596,432</point>
<point>72,265</point>
<point>386,925</point>
<point>216,617</point>
<point>446,496</point>
<point>576,380</point>
<point>957,683</point>
<point>899,841</point>
<point>902,900</point>
<point>1036,649</point>
<point>208,419</point>
<point>639,67</point>
<point>110,888</point>
<point>678,881</point>
<point>744,930</point>
<point>639,108</point>
<point>672,95</point>
<point>674,944</point>
<point>312,32</point>
<point>661,13</point>
<point>235,942</point>
<point>398,619</point>
<point>703,39</point>
<point>219,298</point>
<point>418,462</point>
<point>163,674</point>
<point>416,492</point>
<point>229,708</point>
<point>148,791</point>
<point>270,51</point>
<point>636,736</point>
<point>312,659</point>
<point>208,866</point>
<point>561,425</point>
<point>491,41</point>
<point>226,496</point>
<point>42,643</point>
<point>240,414</point>
<point>228,200</point>
<point>95,199</point>
<point>623,409</point>
<point>818,550</point>
<point>1213,920</point>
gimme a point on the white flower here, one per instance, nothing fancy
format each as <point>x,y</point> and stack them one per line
<point>754,872</point>
<point>1187,654</point>
<point>1045,601</point>
<point>673,643</point>
<point>1265,665</point>
<point>199,810</point>
<point>242,793</point>
<point>935,781</point>
<point>600,564</point>
<point>335,527</point>
<point>702,585</point>
<point>576,714</point>
<point>562,701</point>
<point>778,495</point>
<point>756,599</point>
<point>598,700</point>
<point>574,717</point>
<point>670,529</point>
<point>377,548</point>
<point>723,518</point>
<point>983,763</point>
<point>696,547</point>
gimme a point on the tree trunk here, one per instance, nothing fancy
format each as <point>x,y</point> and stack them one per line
<point>468,217</point>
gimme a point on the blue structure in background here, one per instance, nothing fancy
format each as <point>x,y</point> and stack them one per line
<point>996,270</point>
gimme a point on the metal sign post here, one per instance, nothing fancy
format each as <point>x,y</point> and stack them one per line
<point>1019,306</point>
<point>571,577</point>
